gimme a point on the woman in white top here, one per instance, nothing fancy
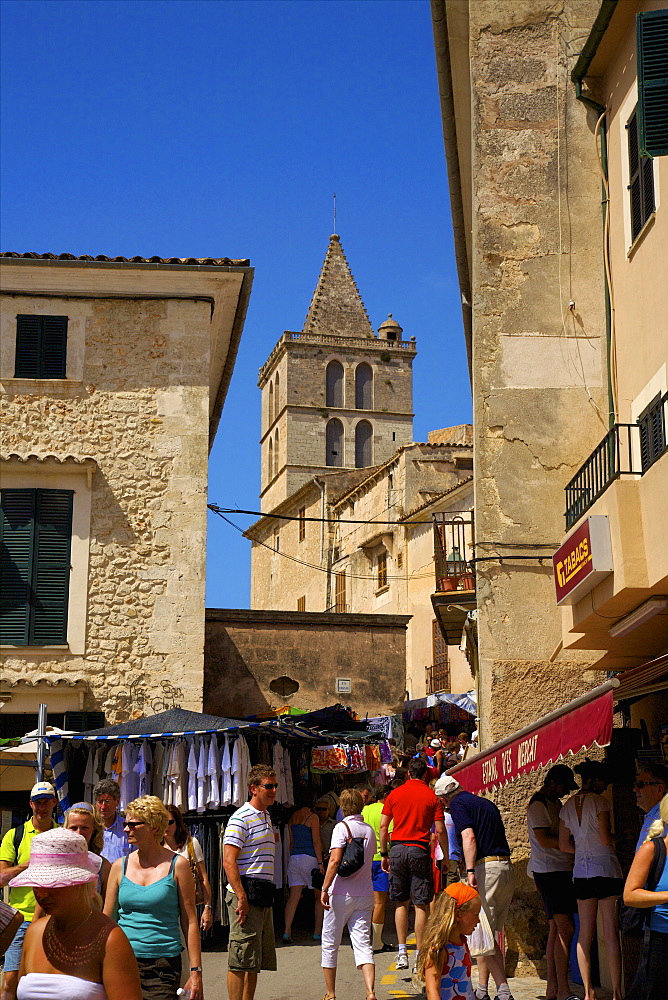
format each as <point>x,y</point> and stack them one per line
<point>584,830</point>
<point>349,900</point>
<point>179,840</point>
<point>74,952</point>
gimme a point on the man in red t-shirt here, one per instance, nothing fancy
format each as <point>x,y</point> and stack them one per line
<point>414,809</point>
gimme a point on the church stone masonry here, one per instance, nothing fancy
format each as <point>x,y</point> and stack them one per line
<point>301,418</point>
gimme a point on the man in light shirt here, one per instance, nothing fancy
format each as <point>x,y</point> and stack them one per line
<point>107,796</point>
<point>248,858</point>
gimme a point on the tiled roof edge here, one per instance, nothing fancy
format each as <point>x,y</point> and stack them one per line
<point>102,258</point>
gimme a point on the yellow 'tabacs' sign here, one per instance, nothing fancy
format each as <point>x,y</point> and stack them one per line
<point>582,560</point>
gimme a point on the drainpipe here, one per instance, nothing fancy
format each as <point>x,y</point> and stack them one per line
<point>600,109</point>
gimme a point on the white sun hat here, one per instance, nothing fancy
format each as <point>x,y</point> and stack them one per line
<point>58,858</point>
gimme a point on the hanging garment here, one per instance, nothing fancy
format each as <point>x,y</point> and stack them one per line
<point>129,779</point>
<point>213,769</point>
<point>202,775</point>
<point>226,777</point>
<point>89,777</point>
<point>287,772</point>
<point>241,765</point>
<point>191,744</point>
<point>144,768</point>
<point>278,764</point>
<point>158,771</point>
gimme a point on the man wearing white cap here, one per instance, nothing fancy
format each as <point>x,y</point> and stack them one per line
<point>14,858</point>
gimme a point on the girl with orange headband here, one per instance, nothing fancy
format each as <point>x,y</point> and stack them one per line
<point>444,962</point>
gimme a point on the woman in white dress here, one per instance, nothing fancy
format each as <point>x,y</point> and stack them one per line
<point>584,830</point>
<point>74,952</point>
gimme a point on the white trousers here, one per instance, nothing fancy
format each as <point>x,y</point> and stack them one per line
<point>355,911</point>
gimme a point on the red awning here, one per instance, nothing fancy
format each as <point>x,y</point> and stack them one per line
<point>574,727</point>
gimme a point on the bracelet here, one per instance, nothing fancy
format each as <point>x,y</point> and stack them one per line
<point>207,906</point>
<point>470,871</point>
<point>195,968</point>
<point>384,854</point>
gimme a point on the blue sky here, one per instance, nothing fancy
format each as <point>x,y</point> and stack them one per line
<point>223,128</point>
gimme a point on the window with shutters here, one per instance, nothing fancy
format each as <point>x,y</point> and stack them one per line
<point>363,387</point>
<point>438,674</point>
<point>334,384</point>
<point>652,424</point>
<point>301,603</point>
<point>334,442</point>
<point>36,533</point>
<point>340,593</point>
<point>41,347</point>
<point>381,570</point>
<point>302,523</point>
<point>652,63</point>
<point>641,179</point>
<point>363,445</point>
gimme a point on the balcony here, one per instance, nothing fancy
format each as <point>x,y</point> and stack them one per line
<point>626,450</point>
<point>455,595</point>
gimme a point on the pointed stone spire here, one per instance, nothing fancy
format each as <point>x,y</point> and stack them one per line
<point>337,307</point>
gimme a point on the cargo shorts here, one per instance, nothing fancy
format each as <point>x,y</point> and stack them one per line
<point>252,947</point>
<point>411,874</point>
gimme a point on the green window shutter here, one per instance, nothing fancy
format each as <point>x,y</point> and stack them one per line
<point>36,531</point>
<point>641,178</point>
<point>51,567</point>
<point>28,346</point>
<point>41,347</point>
<point>652,55</point>
<point>17,520</point>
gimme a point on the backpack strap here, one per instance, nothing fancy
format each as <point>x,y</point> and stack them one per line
<point>350,836</point>
<point>19,832</point>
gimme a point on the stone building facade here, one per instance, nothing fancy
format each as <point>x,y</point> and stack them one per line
<point>257,661</point>
<point>523,135</point>
<point>334,395</point>
<point>119,436</point>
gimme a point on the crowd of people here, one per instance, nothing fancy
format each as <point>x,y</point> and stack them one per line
<point>108,902</point>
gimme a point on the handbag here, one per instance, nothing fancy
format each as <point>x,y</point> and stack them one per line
<point>197,875</point>
<point>481,941</point>
<point>633,919</point>
<point>317,878</point>
<point>259,891</point>
<point>353,854</point>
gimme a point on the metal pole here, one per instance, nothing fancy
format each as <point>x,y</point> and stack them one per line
<point>41,742</point>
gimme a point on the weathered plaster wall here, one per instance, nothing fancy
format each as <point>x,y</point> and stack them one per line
<point>247,650</point>
<point>139,407</point>
<point>539,366</point>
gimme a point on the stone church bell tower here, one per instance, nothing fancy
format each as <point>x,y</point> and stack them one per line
<point>336,395</point>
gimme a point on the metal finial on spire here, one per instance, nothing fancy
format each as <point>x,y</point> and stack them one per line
<point>334,196</point>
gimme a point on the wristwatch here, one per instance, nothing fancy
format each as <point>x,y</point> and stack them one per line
<point>384,854</point>
<point>195,968</point>
<point>470,871</point>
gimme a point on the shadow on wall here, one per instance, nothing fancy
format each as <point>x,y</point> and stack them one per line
<point>230,689</point>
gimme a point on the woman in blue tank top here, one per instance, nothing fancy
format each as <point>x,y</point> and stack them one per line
<point>305,855</point>
<point>148,893</point>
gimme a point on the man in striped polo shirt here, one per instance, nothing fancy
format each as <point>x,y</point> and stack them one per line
<point>248,859</point>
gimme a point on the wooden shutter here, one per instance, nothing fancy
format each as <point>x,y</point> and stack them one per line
<point>652,59</point>
<point>340,593</point>
<point>36,542</point>
<point>41,347</point>
<point>17,532</point>
<point>641,179</point>
<point>51,579</point>
<point>652,433</point>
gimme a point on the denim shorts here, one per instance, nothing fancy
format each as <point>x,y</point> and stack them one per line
<point>13,953</point>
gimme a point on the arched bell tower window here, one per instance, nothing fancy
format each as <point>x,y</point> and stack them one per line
<point>363,387</point>
<point>363,445</point>
<point>270,461</point>
<point>334,384</point>
<point>277,396</point>
<point>276,465</point>
<point>334,442</point>
<point>270,413</point>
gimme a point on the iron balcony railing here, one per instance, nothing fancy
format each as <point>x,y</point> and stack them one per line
<point>453,549</point>
<point>626,450</point>
<point>617,455</point>
<point>437,677</point>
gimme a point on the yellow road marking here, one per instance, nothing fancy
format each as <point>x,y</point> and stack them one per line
<point>388,980</point>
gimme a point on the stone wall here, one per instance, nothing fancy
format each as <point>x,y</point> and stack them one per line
<point>246,651</point>
<point>139,408</point>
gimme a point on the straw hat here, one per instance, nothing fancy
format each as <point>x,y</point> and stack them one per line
<point>58,858</point>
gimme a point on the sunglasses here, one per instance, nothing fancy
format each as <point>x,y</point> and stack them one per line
<point>269,787</point>
<point>131,824</point>
<point>642,784</point>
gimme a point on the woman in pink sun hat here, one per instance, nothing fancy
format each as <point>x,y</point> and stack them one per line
<point>74,952</point>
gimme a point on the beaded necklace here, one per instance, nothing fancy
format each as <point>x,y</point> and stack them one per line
<point>66,956</point>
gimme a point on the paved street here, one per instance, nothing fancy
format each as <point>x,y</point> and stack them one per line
<point>299,977</point>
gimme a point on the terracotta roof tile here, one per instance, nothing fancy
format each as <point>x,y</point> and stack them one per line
<point>102,258</point>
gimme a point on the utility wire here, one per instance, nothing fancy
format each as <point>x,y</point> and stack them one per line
<point>327,520</point>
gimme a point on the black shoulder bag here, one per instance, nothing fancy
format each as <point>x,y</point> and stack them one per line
<point>634,919</point>
<point>353,854</point>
